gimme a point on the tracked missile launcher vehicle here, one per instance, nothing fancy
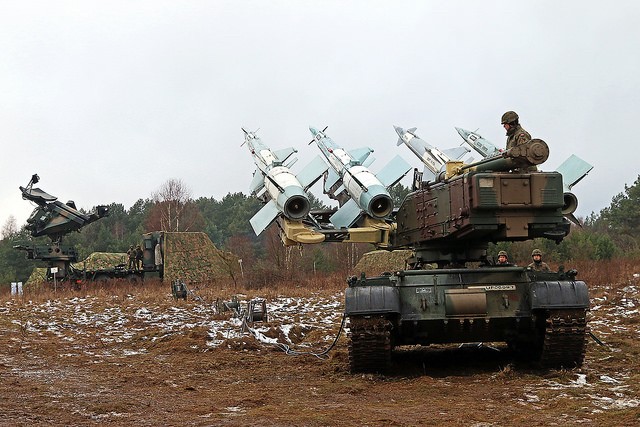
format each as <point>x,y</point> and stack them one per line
<point>467,298</point>
<point>451,292</point>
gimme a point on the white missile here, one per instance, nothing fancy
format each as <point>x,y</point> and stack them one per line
<point>285,193</point>
<point>434,160</point>
<point>478,143</point>
<point>367,192</point>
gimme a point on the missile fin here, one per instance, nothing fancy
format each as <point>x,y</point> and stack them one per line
<point>257,183</point>
<point>573,170</point>
<point>360,154</point>
<point>332,179</point>
<point>312,172</point>
<point>265,216</point>
<point>428,175</point>
<point>283,154</point>
<point>347,215</point>
<point>291,163</point>
<point>400,132</point>
<point>394,171</point>
<point>456,152</point>
<point>368,162</point>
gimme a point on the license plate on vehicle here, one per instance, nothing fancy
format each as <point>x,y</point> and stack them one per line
<point>495,287</point>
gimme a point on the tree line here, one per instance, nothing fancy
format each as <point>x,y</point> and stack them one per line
<point>611,233</point>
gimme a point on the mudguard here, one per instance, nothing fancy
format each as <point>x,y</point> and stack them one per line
<point>558,294</point>
<point>372,300</point>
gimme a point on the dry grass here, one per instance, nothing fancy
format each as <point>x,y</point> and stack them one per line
<point>596,273</point>
<point>156,291</point>
<point>57,370</point>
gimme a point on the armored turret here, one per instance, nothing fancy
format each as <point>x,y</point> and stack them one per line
<point>455,218</point>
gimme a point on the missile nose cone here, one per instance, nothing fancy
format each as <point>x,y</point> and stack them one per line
<point>313,130</point>
<point>463,133</point>
<point>399,130</point>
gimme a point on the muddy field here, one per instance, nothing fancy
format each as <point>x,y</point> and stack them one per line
<point>137,357</point>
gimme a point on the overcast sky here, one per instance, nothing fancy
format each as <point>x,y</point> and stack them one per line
<point>107,100</point>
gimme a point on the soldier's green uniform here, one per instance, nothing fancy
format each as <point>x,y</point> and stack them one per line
<point>538,264</point>
<point>138,257</point>
<point>131,254</point>
<point>516,135</point>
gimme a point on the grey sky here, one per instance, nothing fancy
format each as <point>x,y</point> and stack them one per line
<point>108,100</point>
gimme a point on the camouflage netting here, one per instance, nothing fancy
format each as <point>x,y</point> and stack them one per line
<point>189,256</point>
<point>101,260</point>
<point>377,262</point>
<point>193,258</point>
<point>37,278</point>
<point>95,261</point>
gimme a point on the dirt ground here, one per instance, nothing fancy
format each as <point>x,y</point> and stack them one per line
<point>144,359</point>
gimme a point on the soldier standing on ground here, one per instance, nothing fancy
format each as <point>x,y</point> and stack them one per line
<point>538,264</point>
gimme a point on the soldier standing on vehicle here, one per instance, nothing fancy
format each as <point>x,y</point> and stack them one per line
<point>538,264</point>
<point>157,255</point>
<point>138,257</point>
<point>503,259</point>
<point>131,254</point>
<point>516,135</point>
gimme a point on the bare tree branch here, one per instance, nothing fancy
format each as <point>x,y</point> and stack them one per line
<point>174,209</point>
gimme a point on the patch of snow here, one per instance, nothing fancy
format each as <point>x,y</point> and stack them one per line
<point>608,403</point>
<point>132,352</point>
<point>581,380</point>
<point>608,379</point>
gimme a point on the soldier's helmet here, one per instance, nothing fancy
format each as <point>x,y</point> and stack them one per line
<point>509,117</point>
<point>502,253</point>
<point>536,252</point>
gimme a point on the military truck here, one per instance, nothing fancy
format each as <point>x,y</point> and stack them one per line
<point>118,268</point>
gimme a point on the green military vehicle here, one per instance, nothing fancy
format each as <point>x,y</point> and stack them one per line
<point>469,298</point>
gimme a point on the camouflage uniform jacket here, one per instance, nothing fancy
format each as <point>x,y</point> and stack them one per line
<point>541,266</point>
<point>516,136</point>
